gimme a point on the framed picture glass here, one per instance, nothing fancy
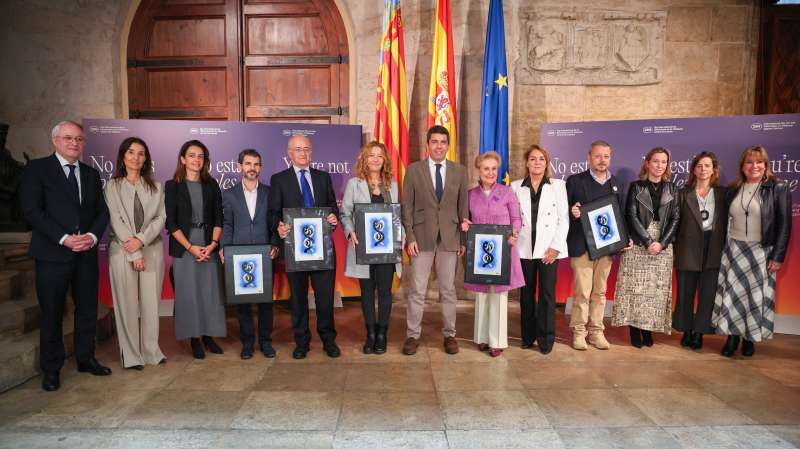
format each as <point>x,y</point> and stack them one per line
<point>379,233</point>
<point>603,227</point>
<point>248,274</point>
<point>308,247</point>
<point>488,255</point>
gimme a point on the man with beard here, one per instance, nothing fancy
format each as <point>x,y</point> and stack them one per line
<point>591,276</point>
<point>245,222</point>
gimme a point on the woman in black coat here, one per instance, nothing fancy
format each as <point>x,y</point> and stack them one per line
<point>698,248</point>
<point>643,297</point>
<point>760,208</point>
<point>193,204</point>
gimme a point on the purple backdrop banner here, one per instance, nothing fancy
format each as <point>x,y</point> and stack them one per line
<point>335,151</point>
<point>684,137</point>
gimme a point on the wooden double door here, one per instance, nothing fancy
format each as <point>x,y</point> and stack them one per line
<point>251,60</point>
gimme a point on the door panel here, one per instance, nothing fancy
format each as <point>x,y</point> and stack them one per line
<point>265,60</point>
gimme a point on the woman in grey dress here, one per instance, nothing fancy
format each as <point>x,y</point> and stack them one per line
<point>194,220</point>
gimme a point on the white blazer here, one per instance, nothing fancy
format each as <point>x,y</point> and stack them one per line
<point>552,220</point>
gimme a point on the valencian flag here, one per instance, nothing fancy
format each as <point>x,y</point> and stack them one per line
<point>442,92</point>
<point>494,105</point>
<point>391,117</point>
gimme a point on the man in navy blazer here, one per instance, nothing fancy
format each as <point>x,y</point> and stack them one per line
<point>62,200</point>
<point>245,222</point>
<point>303,186</point>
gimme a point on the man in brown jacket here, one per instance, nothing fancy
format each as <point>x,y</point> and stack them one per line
<point>434,205</point>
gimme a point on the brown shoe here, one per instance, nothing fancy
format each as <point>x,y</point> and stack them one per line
<point>450,345</point>
<point>410,346</point>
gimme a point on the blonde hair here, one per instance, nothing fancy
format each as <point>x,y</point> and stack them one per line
<point>667,173</point>
<point>487,155</point>
<point>761,152</point>
<point>547,171</point>
<point>362,169</point>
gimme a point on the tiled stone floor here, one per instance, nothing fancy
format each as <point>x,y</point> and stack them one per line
<point>651,398</point>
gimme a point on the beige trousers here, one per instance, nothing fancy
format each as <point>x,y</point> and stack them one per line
<point>589,295</point>
<point>420,273</point>
<point>491,319</point>
<point>136,298</point>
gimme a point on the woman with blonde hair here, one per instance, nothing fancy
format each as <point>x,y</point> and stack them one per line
<point>643,297</point>
<point>493,203</point>
<point>372,183</point>
<point>542,242</point>
<point>760,209</point>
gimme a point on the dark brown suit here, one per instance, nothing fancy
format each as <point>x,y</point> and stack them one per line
<point>697,260</point>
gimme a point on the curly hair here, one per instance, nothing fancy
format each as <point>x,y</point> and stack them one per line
<point>362,168</point>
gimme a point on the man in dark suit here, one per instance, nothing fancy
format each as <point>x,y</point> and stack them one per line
<point>62,200</point>
<point>303,186</point>
<point>591,276</point>
<point>245,222</point>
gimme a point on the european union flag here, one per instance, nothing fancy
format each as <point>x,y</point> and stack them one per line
<point>494,105</point>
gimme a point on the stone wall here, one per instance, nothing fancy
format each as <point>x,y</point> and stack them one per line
<point>61,59</point>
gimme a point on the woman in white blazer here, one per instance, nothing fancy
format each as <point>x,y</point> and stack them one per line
<point>542,241</point>
<point>373,173</point>
<point>136,253</point>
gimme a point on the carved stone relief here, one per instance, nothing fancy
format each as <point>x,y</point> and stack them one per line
<point>591,47</point>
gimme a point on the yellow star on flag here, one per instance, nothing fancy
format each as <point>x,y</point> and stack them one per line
<point>501,81</point>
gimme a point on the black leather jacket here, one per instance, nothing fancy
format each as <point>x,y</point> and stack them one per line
<point>639,213</point>
<point>776,216</point>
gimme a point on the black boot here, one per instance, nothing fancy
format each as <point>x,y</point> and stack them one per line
<point>380,339</point>
<point>211,345</point>
<point>730,345</point>
<point>369,343</point>
<point>636,336</point>
<point>197,348</point>
<point>748,348</point>
<point>697,340</point>
<point>686,341</point>
<point>647,338</point>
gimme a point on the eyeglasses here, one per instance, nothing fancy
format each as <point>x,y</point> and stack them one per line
<point>72,139</point>
<point>302,150</point>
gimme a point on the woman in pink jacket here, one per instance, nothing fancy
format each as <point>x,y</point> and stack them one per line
<point>493,203</point>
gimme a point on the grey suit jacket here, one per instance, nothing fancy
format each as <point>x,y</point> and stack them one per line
<point>357,191</point>
<point>426,220</point>
<point>237,226</point>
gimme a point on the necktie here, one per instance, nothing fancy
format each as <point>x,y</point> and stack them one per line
<point>308,198</point>
<point>73,182</point>
<point>439,183</point>
<point>138,213</point>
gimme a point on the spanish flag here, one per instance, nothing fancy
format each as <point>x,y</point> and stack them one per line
<point>442,92</point>
<point>391,116</point>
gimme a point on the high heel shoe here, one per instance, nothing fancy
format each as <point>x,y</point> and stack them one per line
<point>369,342</point>
<point>730,345</point>
<point>647,338</point>
<point>380,339</point>
<point>697,340</point>
<point>748,348</point>
<point>197,348</point>
<point>211,345</point>
<point>636,336</point>
<point>686,341</point>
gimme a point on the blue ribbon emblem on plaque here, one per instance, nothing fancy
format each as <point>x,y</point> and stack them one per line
<point>309,238</point>
<point>378,237</point>
<point>602,224</point>
<point>248,274</point>
<point>489,256</point>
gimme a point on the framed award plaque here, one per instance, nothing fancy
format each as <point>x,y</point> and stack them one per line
<point>379,233</point>
<point>308,247</point>
<point>248,274</point>
<point>603,227</point>
<point>488,255</point>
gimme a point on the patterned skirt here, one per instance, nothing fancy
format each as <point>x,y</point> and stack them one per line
<point>643,296</point>
<point>745,300</point>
